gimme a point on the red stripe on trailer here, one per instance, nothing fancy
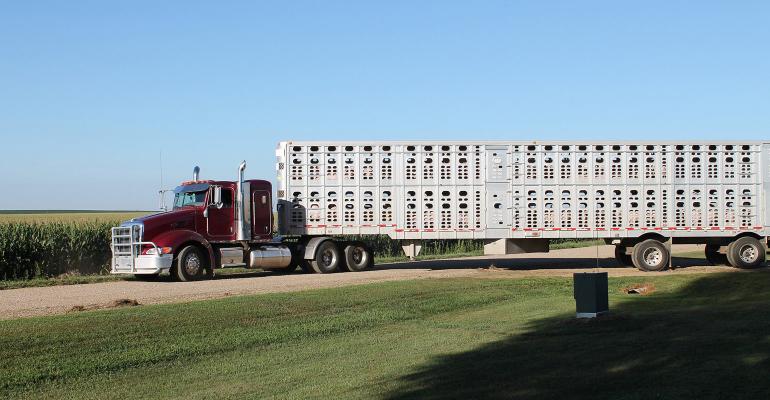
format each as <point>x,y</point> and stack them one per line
<point>714,228</point>
<point>615,229</point>
<point>758,227</point>
<point>399,230</point>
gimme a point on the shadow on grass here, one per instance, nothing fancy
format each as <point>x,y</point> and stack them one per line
<point>526,264</point>
<point>708,340</point>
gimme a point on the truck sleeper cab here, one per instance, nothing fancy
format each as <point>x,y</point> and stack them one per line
<point>217,224</point>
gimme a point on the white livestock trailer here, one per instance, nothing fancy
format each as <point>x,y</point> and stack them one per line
<point>640,196</point>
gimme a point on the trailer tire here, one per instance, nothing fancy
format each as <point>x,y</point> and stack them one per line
<point>650,255</point>
<point>714,257</point>
<point>358,257</point>
<point>746,252</point>
<point>190,264</point>
<point>623,258</point>
<point>327,258</point>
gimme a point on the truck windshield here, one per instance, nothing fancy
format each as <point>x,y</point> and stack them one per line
<point>189,199</point>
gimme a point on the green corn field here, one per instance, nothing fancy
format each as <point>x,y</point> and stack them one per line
<point>29,250</point>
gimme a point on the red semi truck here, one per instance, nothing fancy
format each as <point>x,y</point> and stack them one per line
<point>216,224</point>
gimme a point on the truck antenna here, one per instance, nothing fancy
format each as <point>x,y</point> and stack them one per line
<point>161,191</point>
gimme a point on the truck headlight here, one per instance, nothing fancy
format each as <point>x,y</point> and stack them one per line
<point>152,251</point>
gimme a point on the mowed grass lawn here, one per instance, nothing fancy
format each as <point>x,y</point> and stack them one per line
<point>695,337</point>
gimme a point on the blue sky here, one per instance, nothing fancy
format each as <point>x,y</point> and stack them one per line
<point>91,91</point>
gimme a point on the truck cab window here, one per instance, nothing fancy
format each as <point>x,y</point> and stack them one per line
<point>227,198</point>
<point>190,199</point>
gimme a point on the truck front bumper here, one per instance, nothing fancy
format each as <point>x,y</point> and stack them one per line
<point>141,264</point>
<point>127,257</point>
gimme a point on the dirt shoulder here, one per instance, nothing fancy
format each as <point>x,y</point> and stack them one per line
<point>25,302</point>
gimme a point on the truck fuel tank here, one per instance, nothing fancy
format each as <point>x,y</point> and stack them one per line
<point>268,257</point>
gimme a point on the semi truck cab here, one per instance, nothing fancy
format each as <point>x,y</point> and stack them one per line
<point>216,224</point>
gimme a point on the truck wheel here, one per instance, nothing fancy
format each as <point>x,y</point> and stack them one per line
<point>713,256</point>
<point>650,255</point>
<point>622,257</point>
<point>327,258</point>
<point>190,264</point>
<point>746,252</point>
<point>358,257</point>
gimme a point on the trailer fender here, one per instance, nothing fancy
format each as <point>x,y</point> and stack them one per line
<point>311,246</point>
<point>179,238</point>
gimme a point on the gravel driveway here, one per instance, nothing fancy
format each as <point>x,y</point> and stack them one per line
<point>26,302</point>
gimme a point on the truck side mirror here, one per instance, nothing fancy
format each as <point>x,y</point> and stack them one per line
<point>216,196</point>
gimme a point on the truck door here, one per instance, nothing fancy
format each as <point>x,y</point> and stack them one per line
<point>220,222</point>
<point>262,223</point>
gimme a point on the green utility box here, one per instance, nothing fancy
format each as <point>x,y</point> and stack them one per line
<point>591,299</point>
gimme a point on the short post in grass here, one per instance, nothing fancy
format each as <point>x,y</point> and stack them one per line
<point>591,298</point>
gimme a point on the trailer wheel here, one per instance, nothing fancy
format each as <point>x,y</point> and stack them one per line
<point>650,255</point>
<point>327,258</point>
<point>190,264</point>
<point>746,252</point>
<point>358,257</point>
<point>714,257</point>
<point>622,257</point>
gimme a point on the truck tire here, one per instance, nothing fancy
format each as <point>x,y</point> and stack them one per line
<point>190,264</point>
<point>358,257</point>
<point>650,255</point>
<point>622,257</point>
<point>327,258</point>
<point>713,256</point>
<point>746,252</point>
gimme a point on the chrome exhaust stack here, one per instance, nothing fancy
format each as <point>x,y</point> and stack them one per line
<point>242,211</point>
<point>196,173</point>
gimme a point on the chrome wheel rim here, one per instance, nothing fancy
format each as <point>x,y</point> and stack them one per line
<point>358,255</point>
<point>652,256</point>
<point>192,264</point>
<point>328,258</point>
<point>748,253</point>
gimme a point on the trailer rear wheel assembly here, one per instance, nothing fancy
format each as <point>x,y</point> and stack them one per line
<point>746,252</point>
<point>358,257</point>
<point>190,264</point>
<point>622,257</point>
<point>650,255</point>
<point>327,258</point>
<point>714,257</point>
